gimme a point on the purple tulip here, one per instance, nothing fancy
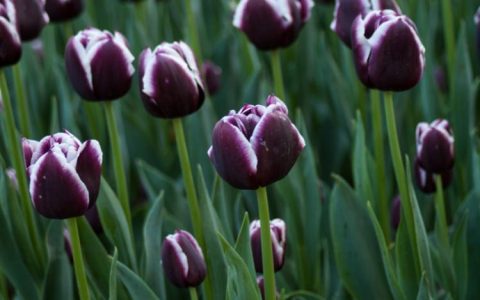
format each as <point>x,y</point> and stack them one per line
<point>440,78</point>
<point>256,146</point>
<point>182,260</point>
<point>99,64</point>
<point>425,180</point>
<point>272,24</point>
<point>170,82</point>
<point>261,287</point>
<point>387,51</point>
<point>435,146</point>
<point>63,10</point>
<point>395,213</point>
<point>211,74</point>
<point>11,45</point>
<point>31,18</point>
<point>278,233</point>
<point>64,174</point>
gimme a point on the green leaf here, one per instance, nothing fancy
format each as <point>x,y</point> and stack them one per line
<point>112,295</point>
<point>355,246</point>
<point>137,288</point>
<point>423,293</point>
<point>405,262</point>
<point>460,257</point>
<point>243,246</point>
<point>361,174</point>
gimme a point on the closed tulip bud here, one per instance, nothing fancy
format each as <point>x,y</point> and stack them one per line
<point>11,46</point>
<point>441,79</point>
<point>31,18</point>
<point>278,233</point>
<point>99,64</point>
<point>64,174</point>
<point>63,10</point>
<point>272,24</point>
<point>387,51</point>
<point>255,146</point>
<point>395,213</point>
<point>261,287</point>
<point>211,74</point>
<point>182,260</point>
<point>435,146</point>
<point>425,180</point>
<point>170,82</point>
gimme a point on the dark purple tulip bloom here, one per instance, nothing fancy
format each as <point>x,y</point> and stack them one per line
<point>99,64</point>
<point>425,180</point>
<point>256,146</point>
<point>63,10</point>
<point>64,174</point>
<point>170,82</point>
<point>395,213</point>
<point>441,79</point>
<point>272,24</point>
<point>182,260</point>
<point>31,18</point>
<point>211,74</point>
<point>278,233</point>
<point>387,51</point>
<point>11,45</point>
<point>435,146</point>
<point>261,287</point>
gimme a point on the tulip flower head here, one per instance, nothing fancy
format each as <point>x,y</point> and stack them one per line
<point>99,64</point>
<point>211,74</point>
<point>435,146</point>
<point>255,146</point>
<point>182,260</point>
<point>63,10</point>
<point>272,24</point>
<point>278,233</point>
<point>425,181</point>
<point>170,82</point>
<point>11,46</point>
<point>64,174</point>
<point>387,51</point>
<point>31,18</point>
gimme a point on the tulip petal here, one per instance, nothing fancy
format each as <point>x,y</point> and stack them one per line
<point>173,258</point>
<point>78,69</point>
<point>345,13</point>
<point>196,262</point>
<point>56,189</point>
<point>89,168</point>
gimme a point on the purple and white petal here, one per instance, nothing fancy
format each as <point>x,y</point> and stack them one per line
<point>88,165</point>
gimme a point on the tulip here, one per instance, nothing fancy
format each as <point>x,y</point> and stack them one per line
<point>440,78</point>
<point>211,74</point>
<point>256,146</point>
<point>93,219</point>
<point>63,10</point>
<point>425,180</point>
<point>395,213</point>
<point>182,260</point>
<point>31,18</point>
<point>278,232</point>
<point>435,146</point>
<point>170,82</point>
<point>99,64</point>
<point>272,24</point>
<point>64,174</point>
<point>388,53</point>
<point>11,46</point>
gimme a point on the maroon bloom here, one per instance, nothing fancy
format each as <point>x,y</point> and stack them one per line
<point>278,234</point>
<point>425,180</point>
<point>63,10</point>
<point>11,46</point>
<point>435,146</point>
<point>31,18</point>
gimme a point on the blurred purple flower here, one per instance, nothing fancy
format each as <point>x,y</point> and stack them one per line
<point>11,45</point>
<point>435,146</point>
<point>63,10</point>
<point>31,18</point>
<point>425,180</point>
<point>211,74</point>
<point>278,233</point>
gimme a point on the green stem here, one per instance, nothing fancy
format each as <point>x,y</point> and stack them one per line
<point>120,178</point>
<point>277,75</point>
<point>442,233</point>
<point>23,112</point>
<point>19,165</point>
<point>448,31</point>
<point>78,259</point>
<point>266,241</point>
<point>192,30</point>
<point>383,210</point>
<point>193,293</point>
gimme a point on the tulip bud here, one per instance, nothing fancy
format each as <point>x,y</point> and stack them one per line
<point>170,82</point>
<point>271,24</point>
<point>64,174</point>
<point>261,287</point>
<point>435,146</point>
<point>425,180</point>
<point>441,79</point>
<point>182,260</point>
<point>93,219</point>
<point>11,46</point>
<point>278,233</point>
<point>395,213</point>
<point>63,10</point>
<point>256,146</point>
<point>387,51</point>
<point>31,18</point>
<point>211,74</point>
<point>99,64</point>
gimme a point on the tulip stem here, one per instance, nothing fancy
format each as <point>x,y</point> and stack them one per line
<point>78,260</point>
<point>16,154</point>
<point>266,241</point>
<point>376,107</point>
<point>193,293</point>
<point>442,233</point>
<point>277,75</point>
<point>449,37</point>
<point>119,170</point>
<point>23,113</point>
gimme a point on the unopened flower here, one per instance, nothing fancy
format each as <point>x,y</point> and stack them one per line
<point>11,45</point>
<point>261,286</point>
<point>99,64</point>
<point>211,73</point>
<point>63,10</point>
<point>64,174</point>
<point>255,146</point>
<point>425,180</point>
<point>31,18</point>
<point>278,234</point>
<point>435,146</point>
